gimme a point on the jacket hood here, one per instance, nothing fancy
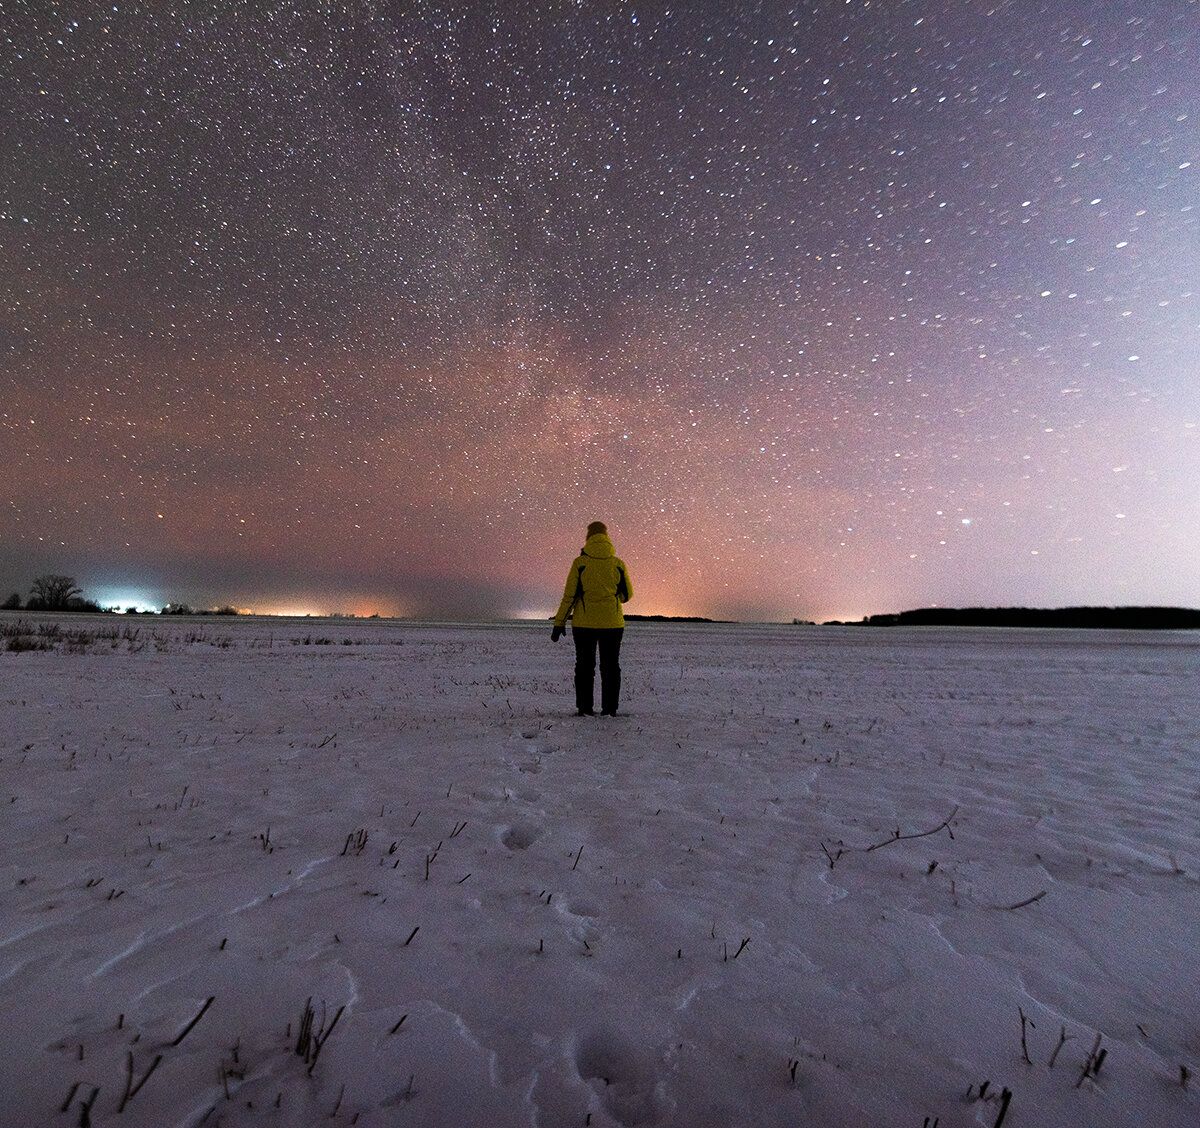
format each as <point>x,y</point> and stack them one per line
<point>599,547</point>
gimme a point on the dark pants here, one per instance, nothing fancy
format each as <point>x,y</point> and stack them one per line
<point>587,640</point>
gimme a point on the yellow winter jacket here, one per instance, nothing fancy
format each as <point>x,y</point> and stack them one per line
<point>597,584</point>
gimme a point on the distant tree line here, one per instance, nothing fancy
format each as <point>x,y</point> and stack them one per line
<point>670,619</point>
<point>184,609</point>
<point>1103,618</point>
<point>54,592</point>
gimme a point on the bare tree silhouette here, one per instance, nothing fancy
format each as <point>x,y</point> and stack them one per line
<point>53,592</point>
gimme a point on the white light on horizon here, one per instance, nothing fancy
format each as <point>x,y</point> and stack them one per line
<point>125,599</point>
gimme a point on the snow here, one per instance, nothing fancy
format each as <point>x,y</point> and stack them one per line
<point>524,917</point>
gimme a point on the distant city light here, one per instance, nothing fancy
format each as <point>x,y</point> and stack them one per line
<point>123,599</point>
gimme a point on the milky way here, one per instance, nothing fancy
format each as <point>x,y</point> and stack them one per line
<point>826,309</point>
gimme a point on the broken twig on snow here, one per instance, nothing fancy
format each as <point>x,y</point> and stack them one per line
<point>1063,1039</point>
<point>1094,1061</point>
<point>188,1028</point>
<point>898,837</point>
<point>1024,1046</point>
<point>131,1090</point>
<point>1021,904</point>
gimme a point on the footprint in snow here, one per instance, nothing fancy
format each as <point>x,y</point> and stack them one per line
<point>520,836</point>
<point>538,741</point>
<point>580,919</point>
<point>621,1076</point>
<point>581,909</point>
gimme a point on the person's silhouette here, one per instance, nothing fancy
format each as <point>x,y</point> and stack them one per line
<point>597,585</point>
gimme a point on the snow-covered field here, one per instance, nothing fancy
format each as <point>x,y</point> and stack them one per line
<point>810,877</point>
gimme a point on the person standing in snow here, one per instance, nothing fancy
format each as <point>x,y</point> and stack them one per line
<point>597,584</point>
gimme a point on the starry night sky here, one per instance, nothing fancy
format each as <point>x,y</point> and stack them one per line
<point>827,309</point>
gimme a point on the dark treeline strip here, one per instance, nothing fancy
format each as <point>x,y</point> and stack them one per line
<point>1091,618</point>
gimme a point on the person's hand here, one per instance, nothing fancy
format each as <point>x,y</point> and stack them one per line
<point>557,633</point>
